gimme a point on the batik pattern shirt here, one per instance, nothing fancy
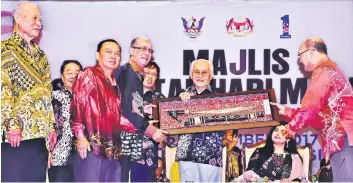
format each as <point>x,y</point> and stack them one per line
<point>26,90</point>
<point>61,105</point>
<point>130,81</point>
<point>276,167</point>
<point>327,106</point>
<point>205,148</point>
<point>150,155</point>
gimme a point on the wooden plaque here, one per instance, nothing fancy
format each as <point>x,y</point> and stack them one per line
<point>215,112</point>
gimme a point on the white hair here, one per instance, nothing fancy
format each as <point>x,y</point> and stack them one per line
<point>210,64</point>
<point>20,5</point>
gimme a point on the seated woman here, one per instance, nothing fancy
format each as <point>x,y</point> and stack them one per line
<point>277,160</point>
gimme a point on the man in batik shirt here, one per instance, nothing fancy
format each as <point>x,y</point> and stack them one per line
<point>95,118</point>
<point>143,170</point>
<point>200,152</point>
<point>61,169</point>
<point>130,79</point>
<point>27,118</point>
<point>327,106</point>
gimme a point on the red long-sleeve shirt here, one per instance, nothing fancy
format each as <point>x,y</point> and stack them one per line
<point>95,112</point>
<point>327,106</point>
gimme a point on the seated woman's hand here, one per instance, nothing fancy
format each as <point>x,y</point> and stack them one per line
<point>285,180</point>
<point>250,175</point>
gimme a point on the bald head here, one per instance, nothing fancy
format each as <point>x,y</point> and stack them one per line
<point>138,38</point>
<point>316,43</point>
<point>27,19</point>
<point>311,53</point>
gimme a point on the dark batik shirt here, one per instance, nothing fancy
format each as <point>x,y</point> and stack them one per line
<point>205,148</point>
<point>131,84</point>
<point>277,167</point>
<point>61,105</point>
<point>150,155</point>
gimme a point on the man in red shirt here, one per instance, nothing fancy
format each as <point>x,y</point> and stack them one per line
<point>327,106</point>
<point>95,118</point>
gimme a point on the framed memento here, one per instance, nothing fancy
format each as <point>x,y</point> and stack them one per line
<point>215,112</point>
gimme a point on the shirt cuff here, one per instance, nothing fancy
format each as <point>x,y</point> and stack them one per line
<point>151,130</point>
<point>287,111</point>
<point>79,133</point>
<point>13,124</point>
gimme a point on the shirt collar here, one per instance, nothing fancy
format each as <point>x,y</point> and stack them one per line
<point>15,37</point>
<point>135,66</point>
<point>65,90</point>
<point>326,63</point>
<point>100,69</point>
<point>148,90</point>
<point>194,90</point>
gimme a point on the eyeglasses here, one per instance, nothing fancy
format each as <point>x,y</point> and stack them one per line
<point>301,53</point>
<point>198,73</point>
<point>144,49</point>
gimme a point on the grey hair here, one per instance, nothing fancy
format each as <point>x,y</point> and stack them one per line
<point>210,64</point>
<point>133,42</point>
<point>18,7</point>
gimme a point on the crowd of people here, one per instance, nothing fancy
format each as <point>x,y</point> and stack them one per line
<point>96,126</point>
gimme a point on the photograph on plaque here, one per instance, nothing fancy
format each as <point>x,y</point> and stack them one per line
<point>216,112</point>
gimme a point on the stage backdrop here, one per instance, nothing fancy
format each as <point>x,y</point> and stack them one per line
<point>253,45</point>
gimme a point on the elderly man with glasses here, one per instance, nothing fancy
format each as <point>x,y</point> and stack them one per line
<point>327,106</point>
<point>200,152</point>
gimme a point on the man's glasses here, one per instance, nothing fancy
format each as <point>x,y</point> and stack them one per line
<point>301,53</point>
<point>198,73</point>
<point>144,49</point>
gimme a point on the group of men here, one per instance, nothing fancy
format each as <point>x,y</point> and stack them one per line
<point>96,127</point>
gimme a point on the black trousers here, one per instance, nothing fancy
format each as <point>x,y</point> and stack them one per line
<point>61,173</point>
<point>125,164</point>
<point>26,163</point>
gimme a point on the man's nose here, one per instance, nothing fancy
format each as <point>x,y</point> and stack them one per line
<point>39,23</point>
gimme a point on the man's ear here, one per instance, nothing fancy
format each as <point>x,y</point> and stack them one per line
<point>132,51</point>
<point>17,18</point>
<point>97,56</point>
